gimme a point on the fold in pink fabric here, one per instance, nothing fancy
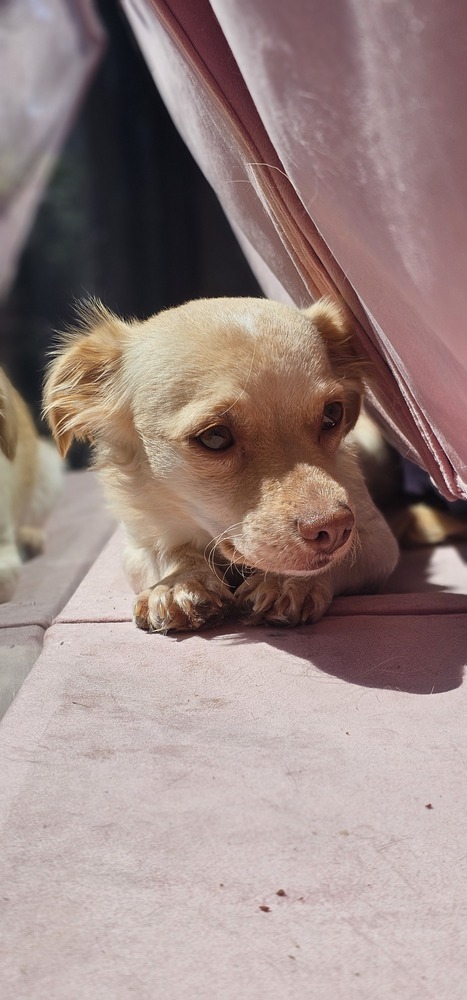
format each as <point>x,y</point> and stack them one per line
<point>333,136</point>
<point>49,51</point>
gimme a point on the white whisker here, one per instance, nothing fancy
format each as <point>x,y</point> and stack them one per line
<point>212,550</point>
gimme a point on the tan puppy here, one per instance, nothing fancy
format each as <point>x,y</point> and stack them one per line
<point>219,429</point>
<point>30,480</point>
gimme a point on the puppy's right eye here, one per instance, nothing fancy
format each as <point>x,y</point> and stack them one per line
<point>217,438</point>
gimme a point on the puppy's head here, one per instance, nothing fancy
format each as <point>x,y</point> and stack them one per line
<point>236,410</point>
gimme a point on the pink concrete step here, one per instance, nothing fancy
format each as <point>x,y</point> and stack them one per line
<point>236,813</point>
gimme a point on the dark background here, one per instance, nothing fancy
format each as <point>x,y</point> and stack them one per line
<point>127,217</point>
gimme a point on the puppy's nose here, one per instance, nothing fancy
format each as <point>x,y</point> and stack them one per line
<point>327,534</point>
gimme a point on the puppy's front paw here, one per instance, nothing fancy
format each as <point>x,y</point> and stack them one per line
<point>182,604</point>
<point>282,600</point>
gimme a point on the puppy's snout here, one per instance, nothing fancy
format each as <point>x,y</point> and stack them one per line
<point>327,534</point>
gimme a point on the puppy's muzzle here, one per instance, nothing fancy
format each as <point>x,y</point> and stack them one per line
<point>326,535</point>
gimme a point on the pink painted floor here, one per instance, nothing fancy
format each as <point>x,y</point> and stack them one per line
<point>241,813</point>
<point>76,531</point>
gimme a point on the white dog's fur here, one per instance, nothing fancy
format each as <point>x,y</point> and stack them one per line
<point>219,429</point>
<point>30,480</point>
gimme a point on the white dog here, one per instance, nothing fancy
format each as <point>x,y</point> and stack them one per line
<point>30,480</point>
<point>219,428</point>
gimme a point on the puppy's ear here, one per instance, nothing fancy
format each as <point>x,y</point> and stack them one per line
<point>335,325</point>
<point>82,392</point>
<point>8,418</point>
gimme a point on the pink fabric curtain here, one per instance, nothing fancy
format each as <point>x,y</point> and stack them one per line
<point>48,52</point>
<point>334,136</point>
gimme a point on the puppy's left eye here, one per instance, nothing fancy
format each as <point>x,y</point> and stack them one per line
<point>332,416</point>
<point>216,438</point>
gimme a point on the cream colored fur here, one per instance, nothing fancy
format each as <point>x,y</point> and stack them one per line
<point>30,480</point>
<point>272,526</point>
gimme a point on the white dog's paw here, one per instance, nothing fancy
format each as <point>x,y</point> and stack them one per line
<point>30,542</point>
<point>10,567</point>
<point>282,600</point>
<point>182,604</point>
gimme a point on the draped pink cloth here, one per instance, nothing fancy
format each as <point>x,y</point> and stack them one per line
<point>334,136</point>
<point>48,52</point>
